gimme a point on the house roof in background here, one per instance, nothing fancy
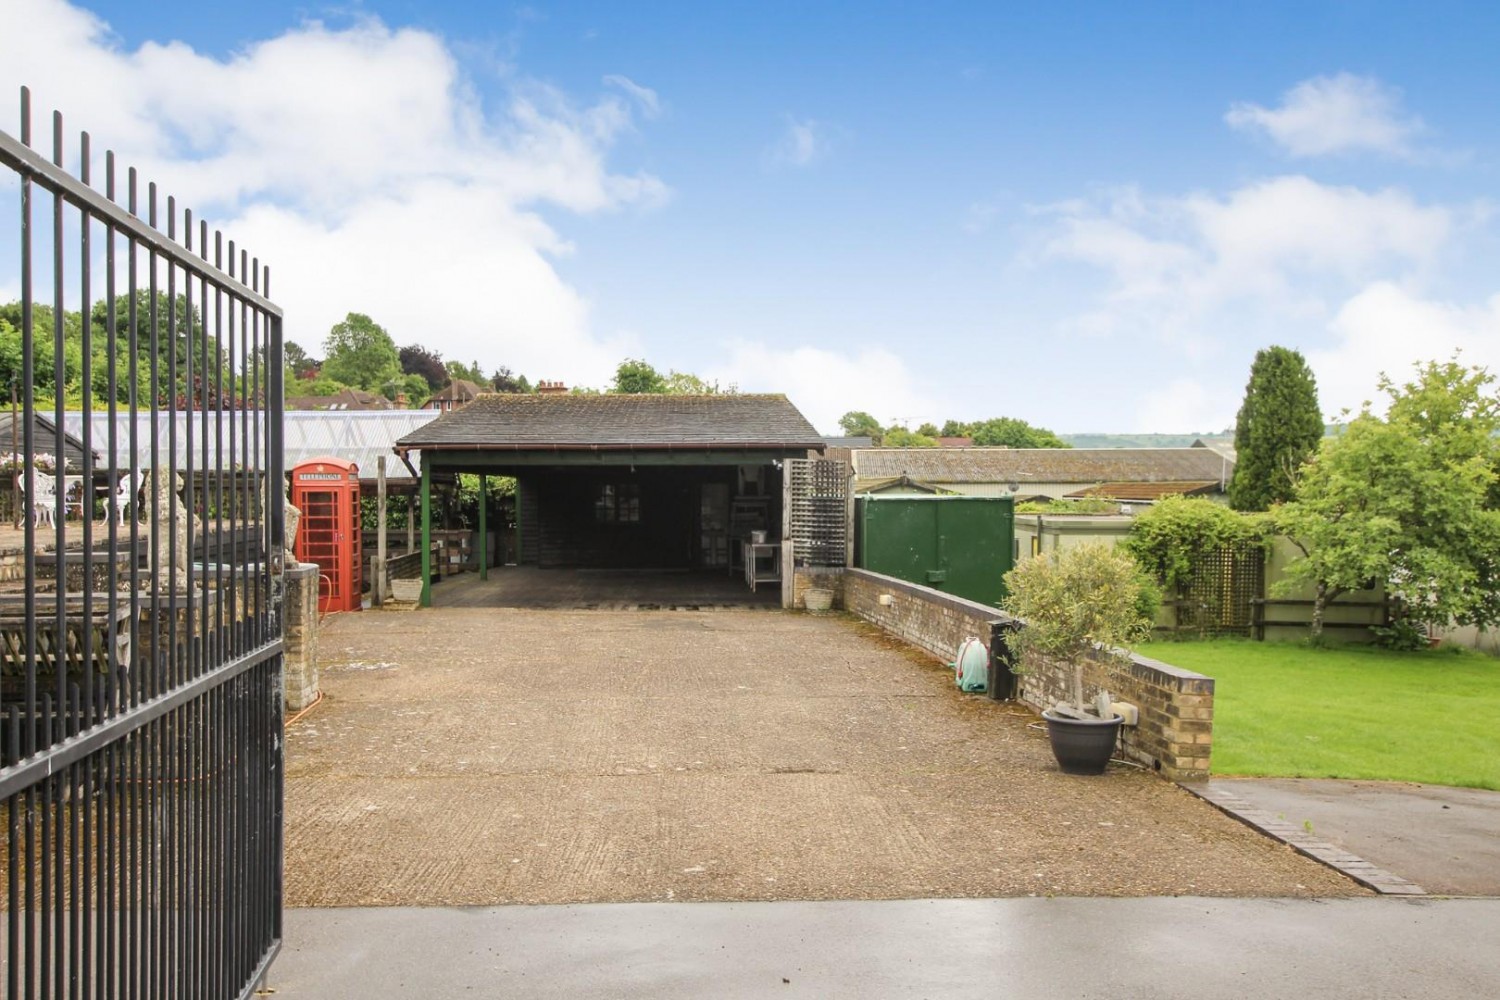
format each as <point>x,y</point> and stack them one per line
<point>1043,465</point>
<point>541,422</point>
<point>897,482</point>
<point>344,399</point>
<point>44,437</point>
<point>460,390</point>
<point>1145,491</point>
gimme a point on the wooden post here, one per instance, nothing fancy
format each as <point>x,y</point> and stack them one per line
<point>788,546</point>
<point>426,531</point>
<point>484,535</point>
<point>380,553</point>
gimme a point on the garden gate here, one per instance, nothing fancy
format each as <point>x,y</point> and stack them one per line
<point>140,711</point>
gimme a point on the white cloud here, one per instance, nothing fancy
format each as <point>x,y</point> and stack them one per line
<point>363,166</point>
<point>1333,114</point>
<point>1284,243</point>
<point>644,96</point>
<point>1336,272</point>
<point>1386,328</point>
<point>803,143</point>
<point>1185,405</point>
<point>826,384</point>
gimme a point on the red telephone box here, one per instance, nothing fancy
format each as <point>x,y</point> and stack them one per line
<point>326,490</point>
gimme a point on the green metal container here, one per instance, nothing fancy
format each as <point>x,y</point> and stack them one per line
<point>960,545</point>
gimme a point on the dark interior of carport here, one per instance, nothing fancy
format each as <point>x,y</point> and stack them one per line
<point>612,503</point>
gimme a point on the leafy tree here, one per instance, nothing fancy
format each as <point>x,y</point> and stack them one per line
<point>900,437</point>
<point>1010,432</point>
<point>297,360</point>
<point>928,429</point>
<point>1404,501</point>
<point>1170,536</point>
<point>503,380</point>
<point>956,428</point>
<point>688,384</point>
<point>414,387</point>
<point>1278,428</point>
<point>469,373</point>
<point>361,354</point>
<point>858,423</point>
<point>418,360</point>
<point>635,377</point>
<point>320,385</point>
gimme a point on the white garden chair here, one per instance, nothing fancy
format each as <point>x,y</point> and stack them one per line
<point>126,493</point>
<point>44,503</point>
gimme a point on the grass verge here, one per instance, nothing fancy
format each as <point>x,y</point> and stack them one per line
<point>1289,710</point>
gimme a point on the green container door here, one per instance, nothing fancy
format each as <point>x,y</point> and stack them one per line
<point>960,545</point>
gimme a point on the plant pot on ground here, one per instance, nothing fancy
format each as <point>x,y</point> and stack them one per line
<point>1079,606</point>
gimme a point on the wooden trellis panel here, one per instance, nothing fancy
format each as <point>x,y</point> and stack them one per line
<point>1221,594</point>
<point>817,499</point>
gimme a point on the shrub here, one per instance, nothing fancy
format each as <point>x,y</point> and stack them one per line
<point>1078,603</point>
<point>1169,537</point>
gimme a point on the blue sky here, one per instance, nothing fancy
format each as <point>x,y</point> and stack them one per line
<point>1088,216</point>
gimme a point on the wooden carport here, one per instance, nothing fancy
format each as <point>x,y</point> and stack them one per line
<point>619,480</point>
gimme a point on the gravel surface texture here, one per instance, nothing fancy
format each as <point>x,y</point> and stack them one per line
<point>478,757</point>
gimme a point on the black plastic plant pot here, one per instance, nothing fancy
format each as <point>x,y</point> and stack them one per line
<point>1082,746</point>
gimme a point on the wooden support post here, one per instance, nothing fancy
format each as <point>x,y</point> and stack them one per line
<point>426,531</point>
<point>484,535</point>
<point>380,525</point>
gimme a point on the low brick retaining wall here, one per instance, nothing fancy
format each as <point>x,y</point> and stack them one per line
<point>1175,735</point>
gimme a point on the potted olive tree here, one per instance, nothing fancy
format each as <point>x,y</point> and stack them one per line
<point>1079,606</point>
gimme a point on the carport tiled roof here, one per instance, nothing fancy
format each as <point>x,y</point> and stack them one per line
<point>1042,465</point>
<point>526,421</point>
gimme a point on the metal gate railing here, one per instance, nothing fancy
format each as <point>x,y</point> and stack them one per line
<point>140,634</point>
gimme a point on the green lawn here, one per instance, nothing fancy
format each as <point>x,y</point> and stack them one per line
<point>1289,710</point>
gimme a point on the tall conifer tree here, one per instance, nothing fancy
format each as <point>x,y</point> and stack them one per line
<point>1278,428</point>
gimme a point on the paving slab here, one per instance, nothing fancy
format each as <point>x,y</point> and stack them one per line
<point>491,756</point>
<point>1445,839</point>
<point>1164,949</point>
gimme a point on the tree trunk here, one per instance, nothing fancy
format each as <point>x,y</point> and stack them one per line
<point>1320,605</point>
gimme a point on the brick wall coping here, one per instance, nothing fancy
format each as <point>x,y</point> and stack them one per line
<point>1163,673</point>
<point>961,604</point>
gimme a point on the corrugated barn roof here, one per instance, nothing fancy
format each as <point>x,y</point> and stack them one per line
<point>1042,465</point>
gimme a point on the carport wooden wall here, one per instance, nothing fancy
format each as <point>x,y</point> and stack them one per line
<point>528,520</point>
<point>566,533</point>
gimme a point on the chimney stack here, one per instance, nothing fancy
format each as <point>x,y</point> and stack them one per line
<point>551,388</point>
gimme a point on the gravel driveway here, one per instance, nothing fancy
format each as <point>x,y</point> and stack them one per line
<point>470,757</point>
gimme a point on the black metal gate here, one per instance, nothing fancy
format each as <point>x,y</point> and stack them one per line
<point>140,633</point>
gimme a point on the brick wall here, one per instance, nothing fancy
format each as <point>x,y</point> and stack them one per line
<point>805,578</point>
<point>300,620</point>
<point>1175,735</point>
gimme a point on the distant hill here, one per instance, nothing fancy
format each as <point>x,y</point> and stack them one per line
<point>1225,437</point>
<point>1143,440</point>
